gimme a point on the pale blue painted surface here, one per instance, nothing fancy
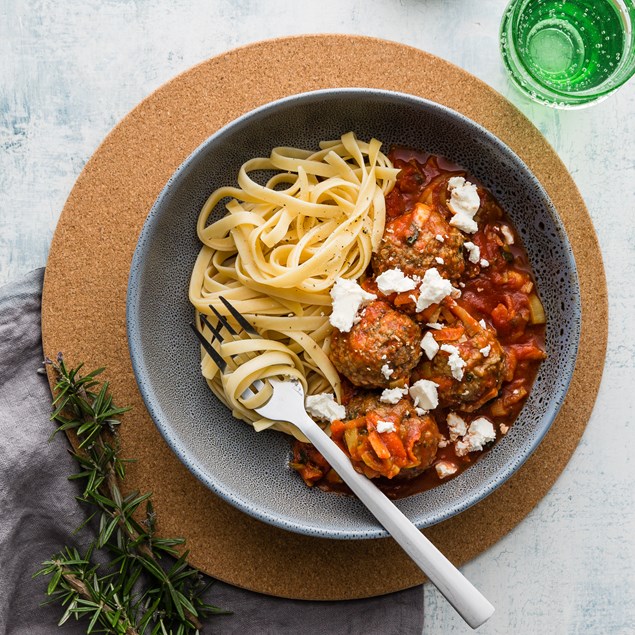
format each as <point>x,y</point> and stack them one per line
<point>70,70</point>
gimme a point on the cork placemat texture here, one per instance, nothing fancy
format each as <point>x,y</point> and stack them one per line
<point>84,304</point>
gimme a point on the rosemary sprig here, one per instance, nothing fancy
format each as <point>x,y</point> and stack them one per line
<point>145,587</point>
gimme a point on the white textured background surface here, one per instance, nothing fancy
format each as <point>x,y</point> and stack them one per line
<point>70,70</point>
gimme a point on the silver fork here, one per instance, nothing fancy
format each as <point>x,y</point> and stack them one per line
<point>287,404</point>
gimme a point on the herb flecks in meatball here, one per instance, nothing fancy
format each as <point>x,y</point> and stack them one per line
<point>469,368</point>
<point>419,240</point>
<point>385,439</point>
<point>380,350</point>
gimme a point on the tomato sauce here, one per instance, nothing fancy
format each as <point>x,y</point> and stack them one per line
<point>501,292</point>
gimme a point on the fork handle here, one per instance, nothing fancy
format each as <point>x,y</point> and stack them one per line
<point>460,593</point>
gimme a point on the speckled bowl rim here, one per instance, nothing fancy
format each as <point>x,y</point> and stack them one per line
<point>162,422</point>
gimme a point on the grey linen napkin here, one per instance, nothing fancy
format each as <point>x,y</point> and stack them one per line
<point>38,512</point>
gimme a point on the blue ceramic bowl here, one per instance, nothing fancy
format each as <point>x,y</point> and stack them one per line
<point>249,469</point>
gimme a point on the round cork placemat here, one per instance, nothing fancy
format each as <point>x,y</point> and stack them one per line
<point>84,304</point>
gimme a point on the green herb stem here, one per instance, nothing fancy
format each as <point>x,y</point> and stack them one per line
<point>146,586</point>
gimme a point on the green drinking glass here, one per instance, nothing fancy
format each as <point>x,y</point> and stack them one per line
<point>569,53</point>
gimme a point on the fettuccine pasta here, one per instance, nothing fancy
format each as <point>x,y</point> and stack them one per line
<point>275,255</point>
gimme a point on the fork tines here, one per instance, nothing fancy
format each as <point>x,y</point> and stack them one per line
<point>223,321</point>
<point>238,317</point>
<point>217,331</point>
<point>212,352</point>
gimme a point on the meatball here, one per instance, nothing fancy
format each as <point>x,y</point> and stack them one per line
<point>411,243</point>
<point>385,439</point>
<point>362,403</point>
<point>380,350</point>
<point>481,361</point>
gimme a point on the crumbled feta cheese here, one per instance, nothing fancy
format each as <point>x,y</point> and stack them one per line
<point>393,395</point>
<point>462,285</point>
<point>439,260</point>
<point>386,371</point>
<point>440,238</point>
<point>483,323</point>
<point>445,469</point>
<point>324,406</point>
<point>437,326</point>
<point>456,426</point>
<point>443,443</point>
<point>429,345</point>
<point>485,350</point>
<point>464,223</point>
<point>394,281</point>
<point>461,448</point>
<point>464,203</point>
<point>347,297</point>
<point>385,426</point>
<point>424,394</point>
<point>455,361</point>
<point>474,252</point>
<point>503,428</point>
<point>484,263</point>
<point>483,427</point>
<point>432,290</point>
<point>507,234</point>
<point>464,198</point>
<point>479,434</point>
<point>421,412</point>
